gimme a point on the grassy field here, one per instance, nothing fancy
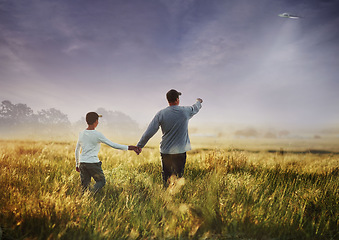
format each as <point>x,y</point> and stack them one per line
<point>228,192</point>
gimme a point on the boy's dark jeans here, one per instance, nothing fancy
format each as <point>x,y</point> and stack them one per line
<point>94,170</point>
<point>172,164</point>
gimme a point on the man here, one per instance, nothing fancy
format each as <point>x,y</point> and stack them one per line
<point>88,163</point>
<point>173,121</point>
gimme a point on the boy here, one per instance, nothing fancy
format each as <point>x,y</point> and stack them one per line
<point>88,164</point>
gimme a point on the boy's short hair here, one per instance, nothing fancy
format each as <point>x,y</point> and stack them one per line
<point>172,95</point>
<point>91,117</point>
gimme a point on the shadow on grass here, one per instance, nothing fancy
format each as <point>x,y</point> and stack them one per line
<point>43,227</point>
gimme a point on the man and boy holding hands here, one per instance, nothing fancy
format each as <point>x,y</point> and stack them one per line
<point>173,121</point>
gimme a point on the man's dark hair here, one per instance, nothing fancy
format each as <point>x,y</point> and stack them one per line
<point>91,117</point>
<point>172,95</point>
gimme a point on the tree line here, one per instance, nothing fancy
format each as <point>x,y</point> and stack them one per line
<point>17,120</point>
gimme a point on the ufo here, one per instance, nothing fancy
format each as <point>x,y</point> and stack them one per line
<point>287,15</point>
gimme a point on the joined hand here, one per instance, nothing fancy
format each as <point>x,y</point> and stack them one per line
<point>136,149</point>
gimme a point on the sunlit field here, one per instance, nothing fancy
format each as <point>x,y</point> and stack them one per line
<point>247,190</point>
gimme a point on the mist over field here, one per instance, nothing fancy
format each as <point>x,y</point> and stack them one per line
<point>20,122</point>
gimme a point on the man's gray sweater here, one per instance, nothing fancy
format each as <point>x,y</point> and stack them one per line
<point>173,121</point>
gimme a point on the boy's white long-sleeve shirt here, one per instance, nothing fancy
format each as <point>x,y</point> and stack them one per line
<point>89,144</point>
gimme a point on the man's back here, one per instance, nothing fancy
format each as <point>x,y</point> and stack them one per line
<point>174,125</point>
<point>173,121</point>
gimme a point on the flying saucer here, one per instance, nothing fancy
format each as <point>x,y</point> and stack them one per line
<point>287,15</point>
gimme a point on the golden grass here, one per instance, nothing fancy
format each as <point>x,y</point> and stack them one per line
<point>228,192</point>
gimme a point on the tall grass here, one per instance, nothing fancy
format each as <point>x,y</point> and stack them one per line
<point>225,194</point>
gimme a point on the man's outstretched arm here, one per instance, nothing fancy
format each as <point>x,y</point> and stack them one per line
<point>194,109</point>
<point>153,127</point>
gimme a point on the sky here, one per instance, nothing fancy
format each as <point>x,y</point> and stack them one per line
<point>249,65</point>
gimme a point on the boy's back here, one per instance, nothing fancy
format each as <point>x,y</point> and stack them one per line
<point>89,142</point>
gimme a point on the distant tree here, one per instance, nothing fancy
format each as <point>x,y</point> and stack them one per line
<point>79,125</point>
<point>52,123</point>
<point>17,120</point>
<point>52,117</point>
<point>117,122</point>
<point>15,114</point>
